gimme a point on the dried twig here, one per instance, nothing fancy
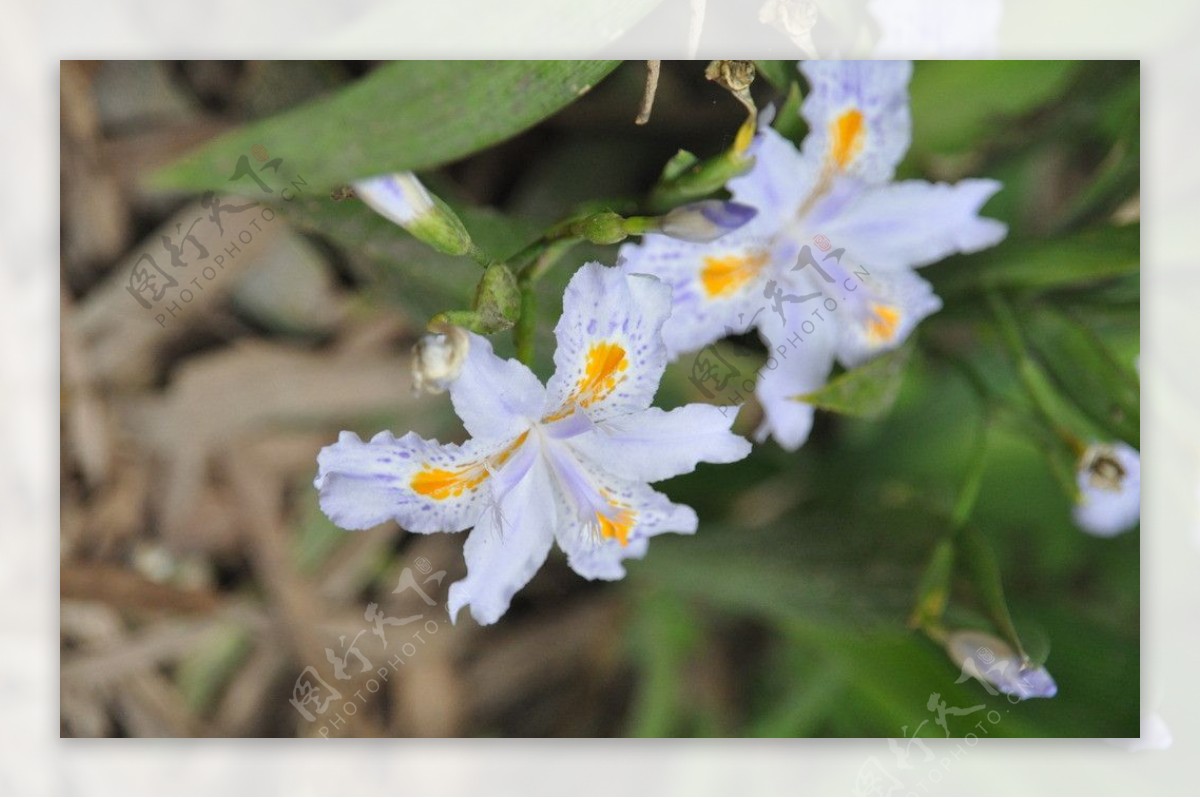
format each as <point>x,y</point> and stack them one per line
<point>652,70</point>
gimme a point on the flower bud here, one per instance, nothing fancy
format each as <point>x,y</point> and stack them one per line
<point>993,662</point>
<point>603,228</point>
<point>497,299</point>
<point>708,220</point>
<point>438,358</point>
<point>1109,478</point>
<point>401,198</point>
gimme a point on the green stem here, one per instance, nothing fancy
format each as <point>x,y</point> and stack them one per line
<point>998,406</point>
<point>969,492</point>
<point>1030,374</point>
<point>933,591</point>
<point>479,256</point>
<point>640,225</point>
<point>526,326</point>
<point>699,181</point>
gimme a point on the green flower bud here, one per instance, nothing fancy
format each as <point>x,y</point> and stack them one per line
<point>404,200</point>
<point>498,298</point>
<point>603,228</point>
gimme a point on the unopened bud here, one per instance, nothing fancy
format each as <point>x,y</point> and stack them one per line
<point>438,358</point>
<point>708,220</point>
<point>993,662</point>
<point>497,299</point>
<point>603,228</point>
<point>402,198</point>
<point>1109,478</point>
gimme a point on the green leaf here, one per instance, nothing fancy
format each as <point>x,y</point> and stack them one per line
<point>1087,372</point>
<point>779,73</point>
<point>207,668</point>
<point>984,571</point>
<point>807,569</point>
<point>405,116</point>
<point>958,104</point>
<point>680,162</point>
<point>867,391</point>
<point>1078,261</point>
<point>933,592</point>
<point>799,711</point>
<point>395,266</point>
<point>699,180</point>
<point>663,638</point>
<point>788,122</point>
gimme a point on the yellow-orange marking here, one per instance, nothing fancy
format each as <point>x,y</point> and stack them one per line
<point>442,484</point>
<point>617,526</point>
<point>847,136</point>
<point>725,275</point>
<point>602,373</point>
<point>618,522</point>
<point>606,362</point>
<point>561,412</point>
<point>883,322</point>
<point>497,460</point>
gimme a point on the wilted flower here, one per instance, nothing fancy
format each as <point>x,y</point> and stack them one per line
<point>1110,489</point>
<point>438,358</point>
<point>824,271</point>
<point>570,461</point>
<point>994,664</point>
<point>701,222</point>
<point>401,198</point>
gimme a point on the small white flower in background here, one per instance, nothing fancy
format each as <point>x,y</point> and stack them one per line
<point>825,270</point>
<point>438,358</point>
<point>993,663</point>
<point>568,462</point>
<point>403,199</point>
<point>1110,489</point>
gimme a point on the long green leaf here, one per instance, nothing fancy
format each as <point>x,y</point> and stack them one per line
<point>1085,370</point>
<point>1079,261</point>
<point>407,115</point>
<point>984,572</point>
<point>867,391</point>
<point>944,121</point>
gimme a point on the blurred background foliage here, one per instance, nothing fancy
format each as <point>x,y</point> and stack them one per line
<point>788,613</point>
